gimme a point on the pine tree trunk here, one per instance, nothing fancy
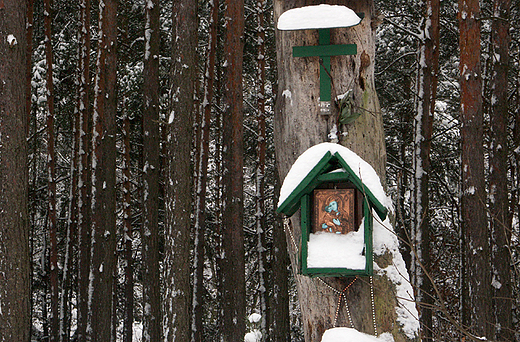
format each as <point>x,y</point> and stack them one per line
<point>152,330</point>
<point>103,241</point>
<point>498,187</point>
<point>261,228</point>
<point>127,233</point>
<point>201,179</point>
<point>179,176</point>
<point>476,287</point>
<point>84,168</point>
<point>15,293</point>
<point>298,126</point>
<point>279,301</point>
<point>233,261</point>
<point>51,167</point>
<point>428,58</point>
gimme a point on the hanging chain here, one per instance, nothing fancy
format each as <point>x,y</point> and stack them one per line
<point>288,229</point>
<point>338,306</point>
<point>330,287</point>
<point>373,305</point>
<point>341,295</point>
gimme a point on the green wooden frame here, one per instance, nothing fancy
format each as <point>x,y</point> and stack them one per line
<point>300,199</point>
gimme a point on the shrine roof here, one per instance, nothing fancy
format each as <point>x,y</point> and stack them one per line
<point>328,161</point>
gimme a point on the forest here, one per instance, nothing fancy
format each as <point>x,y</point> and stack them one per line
<point>144,143</point>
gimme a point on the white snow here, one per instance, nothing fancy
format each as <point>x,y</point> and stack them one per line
<point>308,160</point>
<point>349,334</point>
<point>11,40</point>
<point>337,250</point>
<point>317,17</point>
<point>255,318</point>
<point>385,240</point>
<point>253,336</point>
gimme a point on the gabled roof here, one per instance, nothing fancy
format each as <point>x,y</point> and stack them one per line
<point>330,161</point>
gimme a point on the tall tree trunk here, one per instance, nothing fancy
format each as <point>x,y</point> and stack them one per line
<point>428,58</point>
<point>498,187</point>
<point>279,301</point>
<point>476,287</point>
<point>15,287</point>
<point>51,170</point>
<point>179,176</point>
<point>128,320</point>
<point>28,70</point>
<point>152,330</point>
<point>233,261</point>
<point>103,243</point>
<point>298,127</point>
<point>201,180</point>
<point>261,229</point>
<point>84,168</point>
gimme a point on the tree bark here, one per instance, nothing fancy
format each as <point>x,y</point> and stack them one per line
<point>152,328</point>
<point>498,187</point>
<point>51,174</point>
<point>428,60</point>
<point>179,177</point>
<point>279,301</point>
<point>233,261</point>
<point>260,218</point>
<point>15,288</point>
<point>103,243</point>
<point>84,114</point>
<point>476,288</point>
<point>298,127</point>
<point>127,254</point>
<point>201,179</point>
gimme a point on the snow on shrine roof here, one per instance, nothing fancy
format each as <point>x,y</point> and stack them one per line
<point>318,17</point>
<point>309,159</point>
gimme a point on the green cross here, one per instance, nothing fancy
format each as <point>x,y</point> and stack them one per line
<point>324,51</point>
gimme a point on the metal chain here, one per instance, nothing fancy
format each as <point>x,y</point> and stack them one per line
<point>373,305</point>
<point>346,305</point>
<point>288,229</point>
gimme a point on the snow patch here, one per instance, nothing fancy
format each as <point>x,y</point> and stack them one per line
<point>11,40</point>
<point>337,250</point>
<point>254,318</point>
<point>349,334</point>
<point>317,17</point>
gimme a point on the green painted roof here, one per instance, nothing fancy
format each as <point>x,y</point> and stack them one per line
<point>320,174</point>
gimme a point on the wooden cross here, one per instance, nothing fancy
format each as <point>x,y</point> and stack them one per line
<point>324,51</point>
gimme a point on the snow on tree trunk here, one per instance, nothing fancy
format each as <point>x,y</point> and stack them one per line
<point>476,273</point>
<point>15,317</point>
<point>299,126</point>
<point>428,57</point>
<point>152,323</point>
<point>84,168</point>
<point>51,176</point>
<point>279,300</point>
<point>103,234</point>
<point>261,229</point>
<point>498,187</point>
<point>201,179</point>
<point>176,303</point>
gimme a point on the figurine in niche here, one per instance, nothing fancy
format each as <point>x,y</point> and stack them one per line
<point>333,210</point>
